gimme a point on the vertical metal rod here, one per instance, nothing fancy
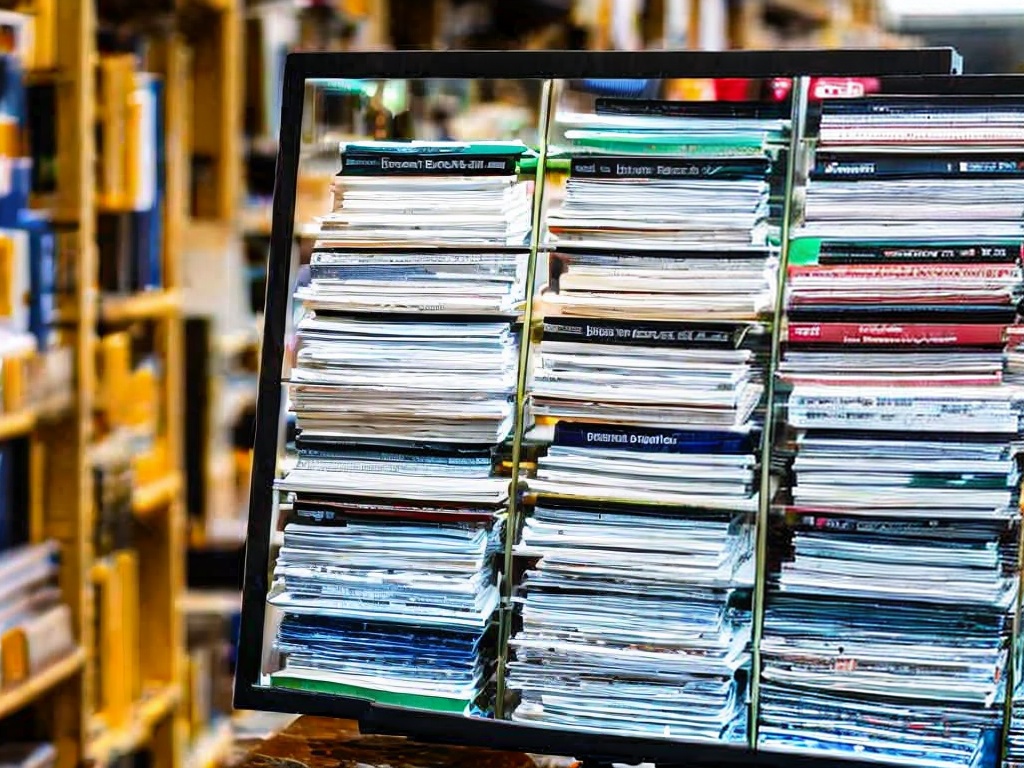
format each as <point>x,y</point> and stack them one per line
<point>798,126</point>
<point>512,521</point>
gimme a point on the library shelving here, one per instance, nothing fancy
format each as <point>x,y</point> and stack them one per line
<point>103,453</point>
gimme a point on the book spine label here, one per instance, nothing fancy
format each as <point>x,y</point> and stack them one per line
<point>326,516</point>
<point>896,334</point>
<point>312,455</point>
<point>666,168</point>
<point>831,254</point>
<point>649,439</point>
<point>869,526</point>
<point>906,271</point>
<point>403,164</point>
<point>641,334</point>
<point>854,169</point>
<point>325,257</point>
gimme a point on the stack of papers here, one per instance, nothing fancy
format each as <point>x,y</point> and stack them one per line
<point>637,598</point>
<point>887,626</point>
<point>417,193</point>
<point>729,285</point>
<point>896,122</point>
<point>447,382</point>
<point>425,282</point>
<point>914,471</point>
<point>648,386</point>
<point>902,682</point>
<point>904,166</point>
<point>670,212</point>
<point>648,373</point>
<point>692,467</point>
<point>630,623</point>
<point>391,608</point>
<point>403,386</point>
<point>915,312</point>
<point>652,175</point>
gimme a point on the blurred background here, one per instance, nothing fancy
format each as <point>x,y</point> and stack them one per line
<point>137,153</point>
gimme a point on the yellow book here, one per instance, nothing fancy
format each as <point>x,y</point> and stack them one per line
<point>44,54</point>
<point>8,299</point>
<point>115,83</point>
<point>115,353</point>
<point>126,565</point>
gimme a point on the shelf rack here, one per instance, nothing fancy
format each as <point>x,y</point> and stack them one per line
<point>250,691</point>
<point>124,687</point>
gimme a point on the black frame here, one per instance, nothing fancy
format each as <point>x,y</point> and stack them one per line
<point>458,729</point>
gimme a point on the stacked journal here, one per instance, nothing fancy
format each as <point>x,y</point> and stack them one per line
<point>648,385</point>
<point>886,628</point>
<point>429,192</point>
<point>404,385</point>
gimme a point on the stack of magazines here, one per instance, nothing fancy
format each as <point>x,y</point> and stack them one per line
<point>886,631</point>
<point>429,192</point>
<point>913,165</point>
<point>647,388</point>
<point>403,386</point>
<point>651,175</point>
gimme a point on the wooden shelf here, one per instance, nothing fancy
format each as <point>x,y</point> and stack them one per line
<point>156,495</point>
<point>215,602</point>
<point>20,696</point>
<point>111,743</point>
<point>147,305</point>
<point>235,343</point>
<point>20,423</point>
<point>17,423</point>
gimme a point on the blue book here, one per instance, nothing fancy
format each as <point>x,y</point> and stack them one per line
<point>146,268</point>
<point>42,277</point>
<point>155,277</point>
<point>653,439</point>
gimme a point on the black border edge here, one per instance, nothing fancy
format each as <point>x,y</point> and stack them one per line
<point>613,64</point>
<point>455,729</point>
<point>268,404</point>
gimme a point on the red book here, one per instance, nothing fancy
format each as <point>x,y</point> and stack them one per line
<point>897,334</point>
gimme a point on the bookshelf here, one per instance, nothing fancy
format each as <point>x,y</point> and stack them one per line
<point>253,688</point>
<point>123,688</point>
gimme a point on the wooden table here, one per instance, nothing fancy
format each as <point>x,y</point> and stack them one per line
<point>316,742</point>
